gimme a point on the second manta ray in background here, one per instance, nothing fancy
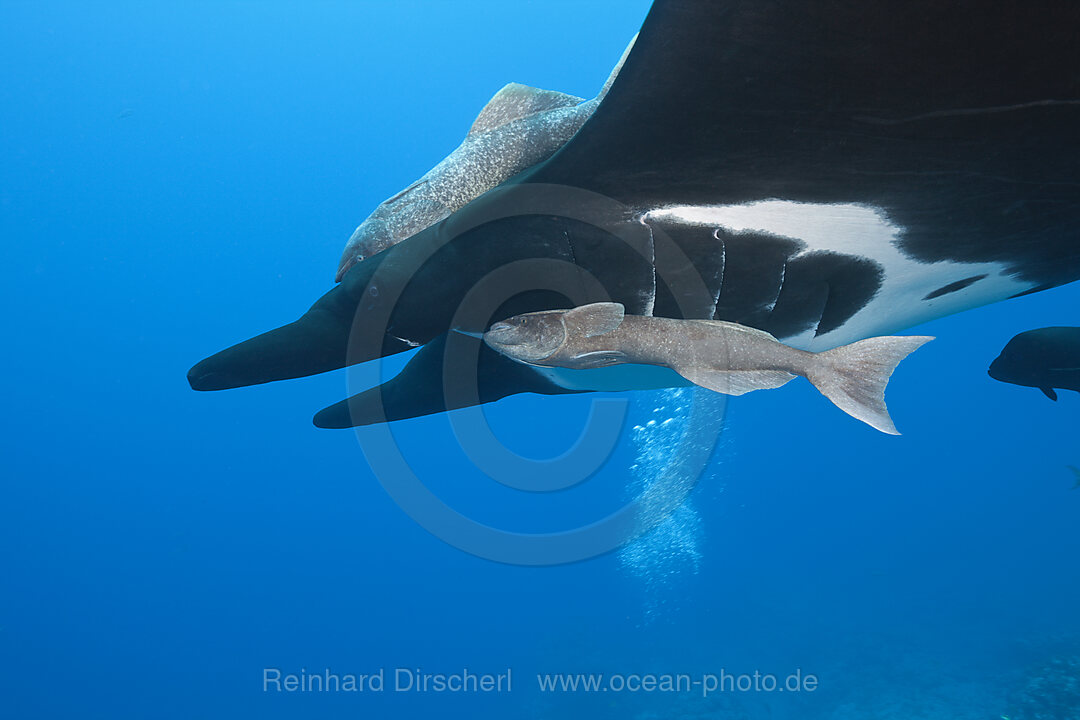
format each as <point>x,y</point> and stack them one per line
<point>721,356</point>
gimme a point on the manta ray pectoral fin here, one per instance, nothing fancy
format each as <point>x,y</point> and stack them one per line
<point>736,382</point>
<point>1050,393</point>
<point>516,101</point>
<point>595,319</point>
<point>618,67</point>
<point>479,375</point>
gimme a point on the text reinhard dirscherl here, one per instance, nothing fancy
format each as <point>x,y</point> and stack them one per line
<point>415,680</point>
<point>400,679</point>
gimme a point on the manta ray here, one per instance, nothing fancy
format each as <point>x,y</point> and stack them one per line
<point>822,172</point>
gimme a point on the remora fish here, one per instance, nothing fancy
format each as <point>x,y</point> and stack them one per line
<point>1046,358</point>
<point>721,356</point>
<point>520,127</point>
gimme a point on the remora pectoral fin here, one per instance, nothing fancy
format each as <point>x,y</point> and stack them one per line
<point>1050,393</point>
<point>479,375</point>
<point>516,101</point>
<point>736,382</point>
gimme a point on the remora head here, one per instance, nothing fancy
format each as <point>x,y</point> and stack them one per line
<point>534,337</point>
<point>529,338</point>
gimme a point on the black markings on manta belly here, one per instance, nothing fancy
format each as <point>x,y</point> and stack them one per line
<point>682,288</point>
<point>775,283</point>
<point>772,283</point>
<point>823,290</point>
<point>787,268</point>
<point>955,286</point>
<point>753,276</point>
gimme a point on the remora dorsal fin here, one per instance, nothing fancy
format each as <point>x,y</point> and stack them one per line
<point>595,319</point>
<point>516,101</point>
<point>1049,392</point>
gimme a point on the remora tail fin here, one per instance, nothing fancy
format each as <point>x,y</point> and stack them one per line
<point>854,376</point>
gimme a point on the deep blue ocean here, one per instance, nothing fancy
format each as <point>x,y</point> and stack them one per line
<point>176,177</point>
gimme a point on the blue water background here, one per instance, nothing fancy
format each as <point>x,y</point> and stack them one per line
<point>176,177</point>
